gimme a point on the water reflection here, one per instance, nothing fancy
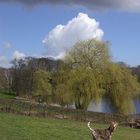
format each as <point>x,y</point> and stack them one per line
<point>105,106</point>
<point>137,105</point>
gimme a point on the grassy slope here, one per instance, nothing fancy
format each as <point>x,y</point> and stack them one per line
<point>6,96</point>
<point>14,127</point>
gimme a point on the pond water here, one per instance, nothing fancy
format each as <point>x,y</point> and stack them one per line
<point>105,106</point>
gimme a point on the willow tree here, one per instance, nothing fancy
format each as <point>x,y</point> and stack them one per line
<point>41,84</point>
<point>121,87</point>
<point>83,82</point>
<point>92,54</point>
<point>91,74</point>
<point>80,86</point>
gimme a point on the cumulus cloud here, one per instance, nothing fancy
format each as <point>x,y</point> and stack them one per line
<point>91,4</point>
<point>18,55</point>
<point>62,37</point>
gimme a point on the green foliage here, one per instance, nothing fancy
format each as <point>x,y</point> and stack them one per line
<point>41,84</point>
<point>79,86</point>
<point>81,78</point>
<point>86,74</point>
<point>91,53</point>
<point>121,87</point>
<point>89,74</point>
<point>60,87</point>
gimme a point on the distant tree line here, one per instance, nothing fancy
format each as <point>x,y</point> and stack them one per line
<point>86,74</point>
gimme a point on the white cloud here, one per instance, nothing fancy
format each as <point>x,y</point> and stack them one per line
<point>7,45</point>
<point>56,57</point>
<point>62,37</point>
<point>2,59</point>
<point>18,55</point>
<point>4,62</point>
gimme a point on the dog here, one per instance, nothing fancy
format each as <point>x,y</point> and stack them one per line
<point>103,134</point>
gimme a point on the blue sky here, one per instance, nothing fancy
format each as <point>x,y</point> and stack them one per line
<point>23,28</point>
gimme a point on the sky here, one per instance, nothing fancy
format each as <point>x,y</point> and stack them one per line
<point>47,28</point>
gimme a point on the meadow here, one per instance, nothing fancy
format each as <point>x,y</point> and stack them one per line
<point>6,95</point>
<point>16,127</point>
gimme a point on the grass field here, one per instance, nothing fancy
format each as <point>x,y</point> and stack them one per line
<point>4,95</point>
<point>13,127</point>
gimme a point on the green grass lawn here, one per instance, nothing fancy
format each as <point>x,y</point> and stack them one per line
<point>4,95</point>
<point>14,127</point>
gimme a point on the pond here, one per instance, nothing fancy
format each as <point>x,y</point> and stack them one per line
<point>105,106</point>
